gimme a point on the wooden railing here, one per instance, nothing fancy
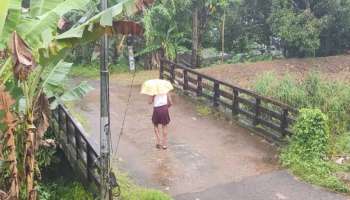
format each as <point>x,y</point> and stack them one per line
<point>271,116</point>
<point>78,150</point>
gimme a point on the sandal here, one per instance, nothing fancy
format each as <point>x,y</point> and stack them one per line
<point>158,146</point>
<point>164,147</point>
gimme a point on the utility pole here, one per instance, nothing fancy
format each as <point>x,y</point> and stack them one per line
<point>129,42</point>
<point>105,133</point>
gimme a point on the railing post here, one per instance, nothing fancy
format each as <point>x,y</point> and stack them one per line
<point>59,117</point>
<point>172,73</point>
<point>284,122</point>
<point>257,111</point>
<point>235,103</point>
<point>88,161</point>
<point>216,93</point>
<point>185,86</point>
<point>161,69</point>
<point>77,143</point>
<point>66,130</point>
<point>199,85</point>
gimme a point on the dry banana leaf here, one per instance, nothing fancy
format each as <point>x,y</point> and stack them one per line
<point>42,117</point>
<point>10,121</point>
<point>23,59</point>
<point>128,27</point>
<point>143,4</point>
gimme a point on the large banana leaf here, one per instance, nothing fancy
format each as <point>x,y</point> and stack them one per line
<point>74,94</point>
<point>90,30</point>
<point>40,7</point>
<point>9,17</point>
<point>102,20</point>
<point>4,6</point>
<point>77,92</point>
<point>31,29</point>
<point>56,75</point>
<point>53,84</point>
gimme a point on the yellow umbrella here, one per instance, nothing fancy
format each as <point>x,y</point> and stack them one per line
<point>156,86</point>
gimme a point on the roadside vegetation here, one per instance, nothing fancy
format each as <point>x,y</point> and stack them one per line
<point>130,191</point>
<point>318,152</point>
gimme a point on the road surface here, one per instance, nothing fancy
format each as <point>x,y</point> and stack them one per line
<point>207,159</point>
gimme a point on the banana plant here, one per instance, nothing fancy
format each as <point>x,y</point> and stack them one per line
<point>37,65</point>
<point>9,120</point>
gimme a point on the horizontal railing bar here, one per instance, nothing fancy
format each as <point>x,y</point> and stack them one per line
<point>271,113</point>
<point>245,101</point>
<point>269,124</point>
<point>246,113</point>
<point>241,90</point>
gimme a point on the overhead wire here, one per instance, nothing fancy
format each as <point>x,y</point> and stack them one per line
<point>124,115</point>
<point>117,192</point>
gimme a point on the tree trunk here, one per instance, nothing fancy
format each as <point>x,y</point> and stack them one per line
<point>12,157</point>
<point>30,157</point>
<point>147,60</point>
<point>195,38</point>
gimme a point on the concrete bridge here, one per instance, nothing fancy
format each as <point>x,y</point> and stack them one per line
<point>208,158</point>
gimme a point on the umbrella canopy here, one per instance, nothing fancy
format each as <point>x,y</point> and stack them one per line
<point>156,86</point>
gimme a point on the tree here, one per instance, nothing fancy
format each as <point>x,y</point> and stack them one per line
<point>164,28</point>
<point>309,28</point>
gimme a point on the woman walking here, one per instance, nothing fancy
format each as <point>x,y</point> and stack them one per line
<point>158,90</point>
<point>160,117</point>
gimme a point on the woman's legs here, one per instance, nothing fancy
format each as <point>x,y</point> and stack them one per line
<point>165,136</point>
<point>156,132</point>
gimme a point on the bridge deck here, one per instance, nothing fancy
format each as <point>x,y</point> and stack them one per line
<point>207,158</point>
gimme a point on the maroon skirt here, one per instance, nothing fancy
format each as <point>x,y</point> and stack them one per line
<point>161,115</point>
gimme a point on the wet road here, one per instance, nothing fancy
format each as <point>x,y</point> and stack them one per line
<point>207,158</point>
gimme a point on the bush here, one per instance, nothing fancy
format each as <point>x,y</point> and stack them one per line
<point>306,154</point>
<point>62,190</point>
<point>311,136</point>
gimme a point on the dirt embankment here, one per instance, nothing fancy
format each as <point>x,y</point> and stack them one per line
<point>245,74</point>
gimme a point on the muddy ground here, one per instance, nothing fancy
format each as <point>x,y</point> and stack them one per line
<point>244,75</point>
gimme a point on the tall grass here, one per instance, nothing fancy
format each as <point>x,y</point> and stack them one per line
<point>332,98</point>
<point>314,96</point>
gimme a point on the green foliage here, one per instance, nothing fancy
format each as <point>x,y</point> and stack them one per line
<point>311,135</point>
<point>332,98</point>
<point>46,155</point>
<point>86,71</point>
<point>163,30</point>
<point>63,190</point>
<point>254,53</point>
<point>320,28</point>
<point>300,30</point>
<point>92,70</point>
<point>342,144</point>
<point>129,191</point>
<point>311,28</point>
<point>203,110</point>
<point>4,6</point>
<point>306,154</point>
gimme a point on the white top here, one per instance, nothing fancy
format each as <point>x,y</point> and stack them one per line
<point>160,100</point>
